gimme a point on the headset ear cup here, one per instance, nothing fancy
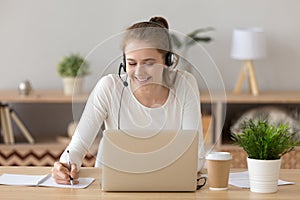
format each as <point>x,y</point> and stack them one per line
<point>124,67</point>
<point>169,59</point>
<point>124,62</point>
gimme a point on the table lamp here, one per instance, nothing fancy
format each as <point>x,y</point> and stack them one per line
<point>248,44</point>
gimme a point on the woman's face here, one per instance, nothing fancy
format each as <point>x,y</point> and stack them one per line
<point>144,65</point>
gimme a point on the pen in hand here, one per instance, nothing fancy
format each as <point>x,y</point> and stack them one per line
<point>70,166</point>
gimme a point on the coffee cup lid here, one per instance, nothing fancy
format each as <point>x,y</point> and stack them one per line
<point>219,156</point>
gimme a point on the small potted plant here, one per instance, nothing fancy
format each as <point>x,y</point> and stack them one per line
<point>72,69</point>
<point>265,144</point>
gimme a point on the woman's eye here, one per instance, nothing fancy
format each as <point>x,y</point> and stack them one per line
<point>149,64</point>
<point>131,64</point>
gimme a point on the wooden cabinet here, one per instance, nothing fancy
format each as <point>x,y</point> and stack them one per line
<point>223,104</point>
<point>44,150</point>
<point>218,109</point>
<point>225,107</point>
<point>36,98</point>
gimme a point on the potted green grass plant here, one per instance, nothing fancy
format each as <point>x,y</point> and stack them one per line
<point>72,69</point>
<point>265,144</point>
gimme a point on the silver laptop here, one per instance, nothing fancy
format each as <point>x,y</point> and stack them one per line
<point>149,160</point>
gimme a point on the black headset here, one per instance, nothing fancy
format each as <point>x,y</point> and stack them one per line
<point>169,60</point>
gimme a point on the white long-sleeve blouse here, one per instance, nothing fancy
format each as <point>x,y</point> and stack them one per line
<point>114,105</point>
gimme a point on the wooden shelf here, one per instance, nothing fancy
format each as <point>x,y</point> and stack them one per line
<point>216,102</point>
<point>40,96</point>
<point>221,101</point>
<point>45,151</point>
<point>224,106</point>
<point>263,97</point>
<point>57,96</point>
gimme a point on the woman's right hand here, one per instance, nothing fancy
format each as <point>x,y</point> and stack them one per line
<point>61,173</point>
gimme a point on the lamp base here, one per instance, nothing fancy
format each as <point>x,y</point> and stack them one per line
<point>247,70</point>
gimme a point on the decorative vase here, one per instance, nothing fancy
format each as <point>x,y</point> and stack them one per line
<point>25,88</point>
<point>263,175</point>
<point>72,85</point>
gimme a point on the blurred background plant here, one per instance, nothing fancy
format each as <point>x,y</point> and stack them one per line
<point>73,65</point>
<point>182,43</point>
<point>72,69</point>
<point>185,43</point>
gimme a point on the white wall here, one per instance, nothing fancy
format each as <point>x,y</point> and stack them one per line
<point>35,34</point>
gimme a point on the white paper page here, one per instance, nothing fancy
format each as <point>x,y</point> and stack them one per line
<point>241,179</point>
<point>20,179</point>
<point>33,180</point>
<point>83,183</point>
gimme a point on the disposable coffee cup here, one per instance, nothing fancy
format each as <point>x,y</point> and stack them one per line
<point>218,167</point>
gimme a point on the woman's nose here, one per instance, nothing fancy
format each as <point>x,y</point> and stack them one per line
<point>140,69</point>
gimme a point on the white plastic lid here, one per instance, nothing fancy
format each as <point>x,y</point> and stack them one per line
<point>219,156</point>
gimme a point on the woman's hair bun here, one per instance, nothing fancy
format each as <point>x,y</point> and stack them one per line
<point>161,21</point>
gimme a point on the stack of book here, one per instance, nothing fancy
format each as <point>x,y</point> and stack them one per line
<point>7,114</point>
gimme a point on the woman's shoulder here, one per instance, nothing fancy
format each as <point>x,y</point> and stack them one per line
<point>108,80</point>
<point>107,84</point>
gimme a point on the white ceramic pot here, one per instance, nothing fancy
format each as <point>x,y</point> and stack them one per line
<point>263,175</point>
<point>72,85</point>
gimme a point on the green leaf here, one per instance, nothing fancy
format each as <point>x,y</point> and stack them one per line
<point>191,38</point>
<point>72,66</point>
<point>262,140</point>
<point>200,30</point>
<point>176,40</point>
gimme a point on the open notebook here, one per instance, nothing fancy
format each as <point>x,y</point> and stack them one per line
<point>40,180</point>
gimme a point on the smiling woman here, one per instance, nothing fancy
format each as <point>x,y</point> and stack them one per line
<point>145,70</point>
<point>150,95</point>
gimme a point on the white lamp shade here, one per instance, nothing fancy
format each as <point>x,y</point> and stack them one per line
<point>248,44</point>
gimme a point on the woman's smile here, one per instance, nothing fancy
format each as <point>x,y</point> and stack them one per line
<point>143,80</point>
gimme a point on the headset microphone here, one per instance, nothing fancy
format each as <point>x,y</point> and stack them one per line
<point>120,68</point>
<point>125,83</point>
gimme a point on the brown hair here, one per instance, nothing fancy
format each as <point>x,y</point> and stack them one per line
<point>155,32</point>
